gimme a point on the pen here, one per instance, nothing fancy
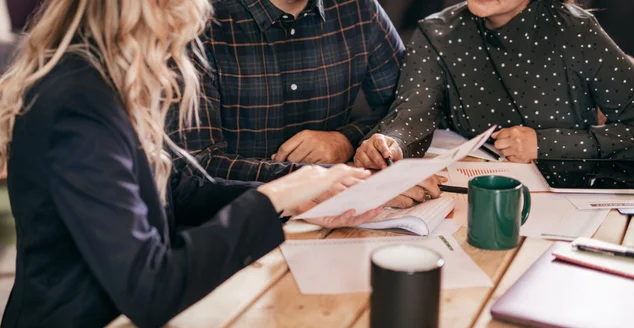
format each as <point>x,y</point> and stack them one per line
<point>452,189</point>
<point>611,250</point>
<point>388,161</point>
<point>490,152</point>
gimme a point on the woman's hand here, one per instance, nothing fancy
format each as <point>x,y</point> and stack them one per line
<point>518,144</point>
<point>373,152</point>
<point>309,183</point>
<point>347,219</point>
<point>302,190</point>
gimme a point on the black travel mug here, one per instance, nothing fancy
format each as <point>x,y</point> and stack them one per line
<point>405,283</point>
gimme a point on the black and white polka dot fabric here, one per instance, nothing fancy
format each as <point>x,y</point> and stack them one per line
<point>548,69</point>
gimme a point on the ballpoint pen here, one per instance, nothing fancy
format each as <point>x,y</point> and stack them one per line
<point>583,244</point>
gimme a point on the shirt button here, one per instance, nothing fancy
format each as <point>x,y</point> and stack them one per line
<point>292,31</point>
<point>305,14</point>
<point>285,16</point>
<point>293,86</point>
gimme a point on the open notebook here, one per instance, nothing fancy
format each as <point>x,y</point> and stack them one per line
<point>421,219</point>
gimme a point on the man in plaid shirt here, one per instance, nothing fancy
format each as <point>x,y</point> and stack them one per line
<point>284,76</point>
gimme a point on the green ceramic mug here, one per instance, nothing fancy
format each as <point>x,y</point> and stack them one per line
<point>496,213</point>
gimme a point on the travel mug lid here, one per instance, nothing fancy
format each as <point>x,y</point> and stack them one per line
<point>406,258</point>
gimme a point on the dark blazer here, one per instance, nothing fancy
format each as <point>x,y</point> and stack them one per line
<point>94,240</point>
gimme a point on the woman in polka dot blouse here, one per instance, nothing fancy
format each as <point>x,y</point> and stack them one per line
<point>538,69</point>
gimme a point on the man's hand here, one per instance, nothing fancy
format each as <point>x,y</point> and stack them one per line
<point>373,152</point>
<point>518,144</point>
<point>418,193</point>
<point>315,147</point>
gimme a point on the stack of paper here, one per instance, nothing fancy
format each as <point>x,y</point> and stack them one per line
<point>554,217</point>
<point>460,173</point>
<point>338,266</point>
<point>597,201</point>
<point>445,140</point>
<point>421,219</point>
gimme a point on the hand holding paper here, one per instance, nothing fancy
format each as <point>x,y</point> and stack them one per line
<point>392,181</point>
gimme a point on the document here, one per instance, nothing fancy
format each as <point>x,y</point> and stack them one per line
<point>554,217</point>
<point>460,173</point>
<point>421,219</point>
<point>445,140</point>
<point>392,181</point>
<point>595,201</point>
<point>340,266</point>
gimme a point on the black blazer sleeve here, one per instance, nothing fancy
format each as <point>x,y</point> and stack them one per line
<point>191,196</point>
<point>150,278</point>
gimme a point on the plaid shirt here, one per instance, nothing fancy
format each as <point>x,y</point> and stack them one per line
<point>273,76</point>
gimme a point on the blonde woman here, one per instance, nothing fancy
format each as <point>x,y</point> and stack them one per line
<point>82,114</point>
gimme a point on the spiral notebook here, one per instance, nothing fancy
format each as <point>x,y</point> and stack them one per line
<point>421,219</point>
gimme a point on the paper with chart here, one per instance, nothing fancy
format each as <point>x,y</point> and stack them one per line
<point>339,266</point>
<point>460,173</point>
<point>421,219</point>
<point>555,217</point>
<point>392,181</point>
<point>445,140</point>
<point>595,201</point>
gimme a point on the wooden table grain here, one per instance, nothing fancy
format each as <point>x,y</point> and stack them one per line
<point>265,294</point>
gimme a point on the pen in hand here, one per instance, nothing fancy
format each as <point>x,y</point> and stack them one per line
<point>388,161</point>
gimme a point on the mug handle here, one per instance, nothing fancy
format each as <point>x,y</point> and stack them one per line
<point>527,204</point>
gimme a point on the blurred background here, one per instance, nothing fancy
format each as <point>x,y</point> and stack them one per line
<point>616,17</point>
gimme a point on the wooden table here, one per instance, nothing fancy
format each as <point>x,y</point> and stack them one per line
<point>265,294</point>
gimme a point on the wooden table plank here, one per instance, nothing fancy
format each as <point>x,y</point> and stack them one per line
<point>628,240</point>
<point>612,230</point>
<point>284,305</point>
<point>461,307</point>
<point>234,296</point>
<point>363,321</point>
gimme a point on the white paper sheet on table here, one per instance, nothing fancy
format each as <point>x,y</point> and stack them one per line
<point>447,228</point>
<point>597,201</point>
<point>392,181</point>
<point>460,173</point>
<point>339,266</point>
<point>555,217</point>
<point>445,140</point>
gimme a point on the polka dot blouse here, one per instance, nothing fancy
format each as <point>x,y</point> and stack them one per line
<point>549,69</point>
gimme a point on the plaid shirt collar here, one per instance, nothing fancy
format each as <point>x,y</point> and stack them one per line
<point>266,13</point>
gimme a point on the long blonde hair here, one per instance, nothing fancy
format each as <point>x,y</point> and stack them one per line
<point>142,47</point>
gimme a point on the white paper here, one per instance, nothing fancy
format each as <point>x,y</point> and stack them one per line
<point>554,217</point>
<point>447,228</point>
<point>527,174</point>
<point>392,181</point>
<point>420,219</point>
<point>597,201</point>
<point>340,266</point>
<point>445,140</point>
